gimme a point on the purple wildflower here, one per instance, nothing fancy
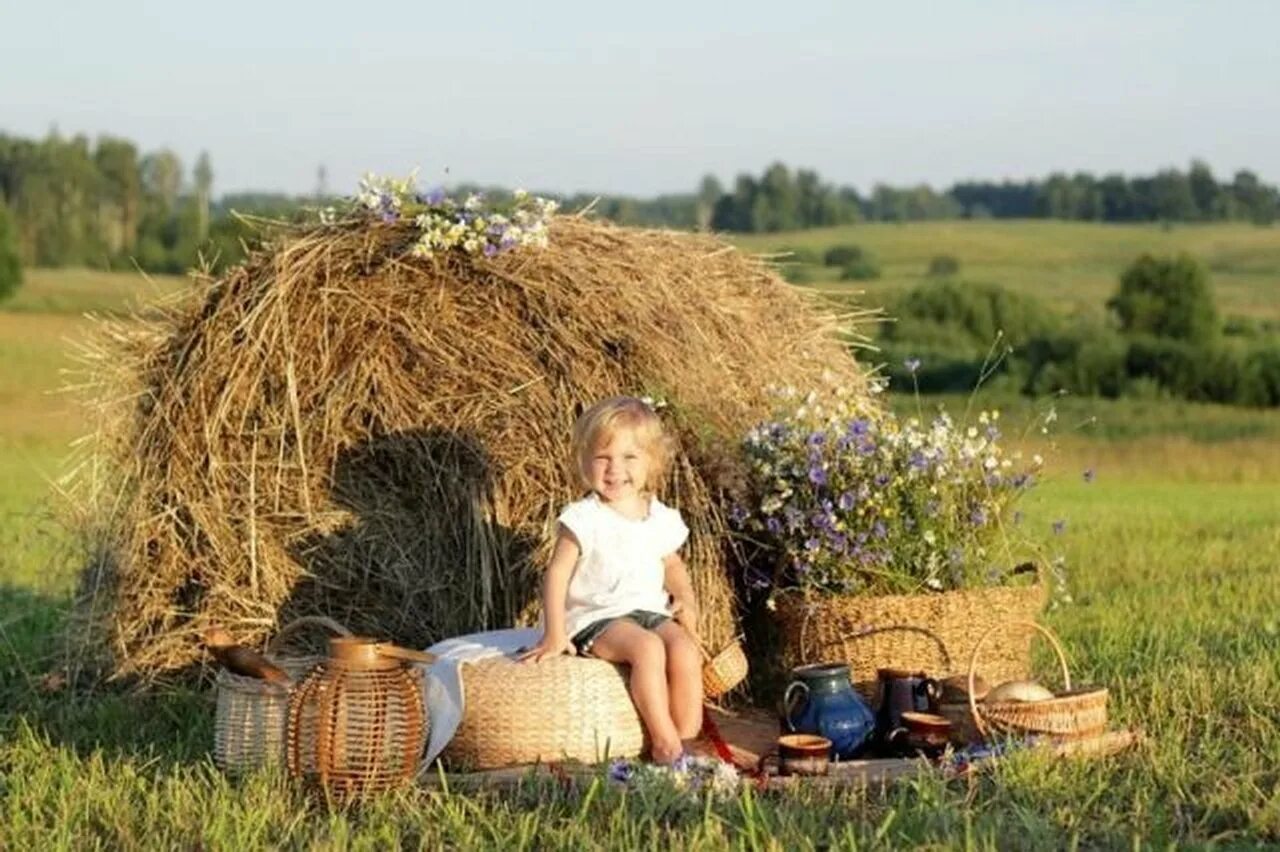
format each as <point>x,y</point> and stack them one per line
<point>773,525</point>
<point>846,501</point>
<point>879,530</point>
<point>812,544</point>
<point>817,475</point>
<point>882,479</point>
<point>620,771</point>
<point>436,196</point>
<point>737,515</point>
<point>978,517</point>
<point>490,250</point>
<point>859,427</point>
<point>816,439</point>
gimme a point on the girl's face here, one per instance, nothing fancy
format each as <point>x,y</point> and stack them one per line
<point>619,468</point>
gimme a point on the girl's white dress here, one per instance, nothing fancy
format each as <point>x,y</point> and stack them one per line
<point>620,567</point>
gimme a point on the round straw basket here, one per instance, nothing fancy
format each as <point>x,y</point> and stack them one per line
<point>724,671</point>
<point>927,632</point>
<point>561,708</point>
<point>1070,713</point>
<point>252,714</point>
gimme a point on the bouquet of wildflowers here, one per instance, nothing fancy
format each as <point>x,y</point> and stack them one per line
<point>854,500</point>
<point>473,224</point>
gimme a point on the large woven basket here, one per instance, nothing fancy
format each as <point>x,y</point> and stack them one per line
<point>561,708</point>
<point>1080,712</point>
<point>933,633</point>
<point>252,714</point>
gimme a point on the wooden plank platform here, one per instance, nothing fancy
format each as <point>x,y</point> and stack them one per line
<point>751,734</point>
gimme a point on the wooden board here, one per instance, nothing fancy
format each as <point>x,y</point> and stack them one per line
<point>752,734</point>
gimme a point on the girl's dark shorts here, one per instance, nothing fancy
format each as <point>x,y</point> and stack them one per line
<point>584,638</point>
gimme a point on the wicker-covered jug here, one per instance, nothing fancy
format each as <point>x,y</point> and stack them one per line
<point>357,722</point>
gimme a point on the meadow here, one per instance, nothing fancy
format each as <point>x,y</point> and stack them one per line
<point>1169,544</point>
<point>1073,266</point>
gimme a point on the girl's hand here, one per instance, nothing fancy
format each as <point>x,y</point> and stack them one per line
<point>549,646</point>
<point>685,614</point>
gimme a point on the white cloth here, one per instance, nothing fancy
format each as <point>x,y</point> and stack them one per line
<point>442,680</point>
<point>620,567</point>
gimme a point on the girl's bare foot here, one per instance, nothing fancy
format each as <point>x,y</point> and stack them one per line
<point>666,752</point>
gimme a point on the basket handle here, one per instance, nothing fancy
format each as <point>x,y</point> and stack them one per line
<point>306,621</point>
<point>977,647</point>
<point>386,649</point>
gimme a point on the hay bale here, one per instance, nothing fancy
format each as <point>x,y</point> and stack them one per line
<point>336,427</point>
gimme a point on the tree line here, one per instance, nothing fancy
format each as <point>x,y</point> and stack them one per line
<point>105,203</point>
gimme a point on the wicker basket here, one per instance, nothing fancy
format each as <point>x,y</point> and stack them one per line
<point>724,671</point>
<point>1070,713</point>
<point>249,724</point>
<point>929,632</point>
<point>560,708</point>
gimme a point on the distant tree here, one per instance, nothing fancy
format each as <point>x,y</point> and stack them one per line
<point>709,192</point>
<point>1171,197</point>
<point>162,177</point>
<point>1166,297</point>
<point>10,267</point>
<point>121,194</point>
<point>1257,202</point>
<point>202,181</point>
<point>1204,190</point>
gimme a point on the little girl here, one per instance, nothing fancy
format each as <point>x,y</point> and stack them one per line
<point>613,566</point>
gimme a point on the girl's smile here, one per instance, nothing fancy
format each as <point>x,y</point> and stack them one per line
<point>619,473</point>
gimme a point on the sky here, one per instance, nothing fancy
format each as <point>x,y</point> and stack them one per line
<point>643,98</point>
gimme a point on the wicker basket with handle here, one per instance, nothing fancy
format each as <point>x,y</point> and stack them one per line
<point>249,723</point>
<point>560,708</point>
<point>723,671</point>
<point>925,632</point>
<point>1080,712</point>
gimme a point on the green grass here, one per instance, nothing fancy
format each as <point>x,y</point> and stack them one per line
<point>77,291</point>
<point>1073,266</point>
<point>1171,556</point>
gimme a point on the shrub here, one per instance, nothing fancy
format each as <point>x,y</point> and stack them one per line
<point>864,269</point>
<point>1166,297</point>
<point>843,255</point>
<point>798,273</point>
<point>10,266</point>
<point>943,265</point>
<point>1086,359</point>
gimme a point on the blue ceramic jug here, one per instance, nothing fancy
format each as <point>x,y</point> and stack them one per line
<point>820,700</point>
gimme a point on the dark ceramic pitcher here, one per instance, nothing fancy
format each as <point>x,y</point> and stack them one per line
<point>820,700</point>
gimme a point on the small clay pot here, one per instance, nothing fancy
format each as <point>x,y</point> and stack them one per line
<point>803,754</point>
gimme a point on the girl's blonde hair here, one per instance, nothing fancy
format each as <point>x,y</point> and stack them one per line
<point>598,425</point>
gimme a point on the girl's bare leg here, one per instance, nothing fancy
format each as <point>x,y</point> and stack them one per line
<point>627,642</point>
<point>684,679</point>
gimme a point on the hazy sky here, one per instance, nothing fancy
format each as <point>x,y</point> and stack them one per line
<point>647,97</point>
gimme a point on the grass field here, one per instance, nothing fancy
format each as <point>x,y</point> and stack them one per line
<point>1074,266</point>
<point>1171,552</point>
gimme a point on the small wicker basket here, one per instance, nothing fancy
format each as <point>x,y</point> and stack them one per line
<point>724,671</point>
<point>1079,712</point>
<point>250,721</point>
